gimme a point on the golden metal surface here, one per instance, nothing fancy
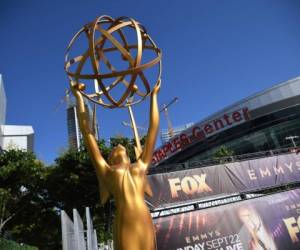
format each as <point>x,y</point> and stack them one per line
<point>99,53</point>
<point>126,182</point>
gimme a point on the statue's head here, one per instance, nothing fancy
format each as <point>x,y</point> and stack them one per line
<point>118,155</point>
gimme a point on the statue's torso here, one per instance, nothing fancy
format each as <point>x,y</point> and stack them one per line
<point>126,183</point>
<point>133,221</point>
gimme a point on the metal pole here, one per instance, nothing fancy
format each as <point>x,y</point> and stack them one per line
<point>135,132</point>
<point>292,138</point>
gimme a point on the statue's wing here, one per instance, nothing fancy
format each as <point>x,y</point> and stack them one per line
<point>147,188</point>
<point>104,194</point>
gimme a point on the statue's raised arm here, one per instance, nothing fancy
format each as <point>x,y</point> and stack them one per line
<point>90,141</point>
<point>146,156</point>
<point>114,88</point>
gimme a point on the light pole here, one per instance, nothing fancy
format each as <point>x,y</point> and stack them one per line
<point>292,138</point>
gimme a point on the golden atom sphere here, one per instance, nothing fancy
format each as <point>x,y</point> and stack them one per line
<point>112,87</point>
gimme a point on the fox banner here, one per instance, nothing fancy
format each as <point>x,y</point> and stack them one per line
<point>195,184</point>
<point>266,223</point>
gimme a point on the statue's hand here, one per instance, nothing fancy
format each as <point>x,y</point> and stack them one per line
<point>156,88</point>
<point>76,88</point>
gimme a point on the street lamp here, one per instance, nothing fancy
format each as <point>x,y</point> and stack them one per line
<point>292,138</point>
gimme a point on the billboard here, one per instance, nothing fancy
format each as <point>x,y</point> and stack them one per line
<point>213,181</point>
<point>266,223</point>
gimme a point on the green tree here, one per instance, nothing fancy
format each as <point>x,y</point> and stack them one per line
<point>72,183</point>
<point>127,143</point>
<point>24,209</point>
<point>32,195</point>
<point>223,152</point>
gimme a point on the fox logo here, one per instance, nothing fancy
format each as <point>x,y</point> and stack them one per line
<point>189,185</point>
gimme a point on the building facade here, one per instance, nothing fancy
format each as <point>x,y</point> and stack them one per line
<point>17,137</point>
<point>74,134</point>
<point>2,109</point>
<point>13,136</point>
<point>264,121</point>
<point>2,102</point>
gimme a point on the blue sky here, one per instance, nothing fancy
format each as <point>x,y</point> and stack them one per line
<point>214,53</point>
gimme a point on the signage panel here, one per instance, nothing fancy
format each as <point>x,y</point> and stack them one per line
<point>266,223</point>
<point>199,132</point>
<point>214,181</point>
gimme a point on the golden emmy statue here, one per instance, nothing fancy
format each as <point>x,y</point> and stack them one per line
<point>125,181</point>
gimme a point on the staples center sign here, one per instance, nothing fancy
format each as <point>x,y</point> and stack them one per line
<point>199,132</point>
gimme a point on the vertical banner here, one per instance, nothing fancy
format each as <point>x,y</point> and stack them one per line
<point>91,235</point>
<point>79,231</point>
<point>90,230</point>
<point>67,229</point>
<point>94,240</point>
<point>266,223</point>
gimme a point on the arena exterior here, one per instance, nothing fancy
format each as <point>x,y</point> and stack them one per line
<point>249,200</point>
<point>258,123</point>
